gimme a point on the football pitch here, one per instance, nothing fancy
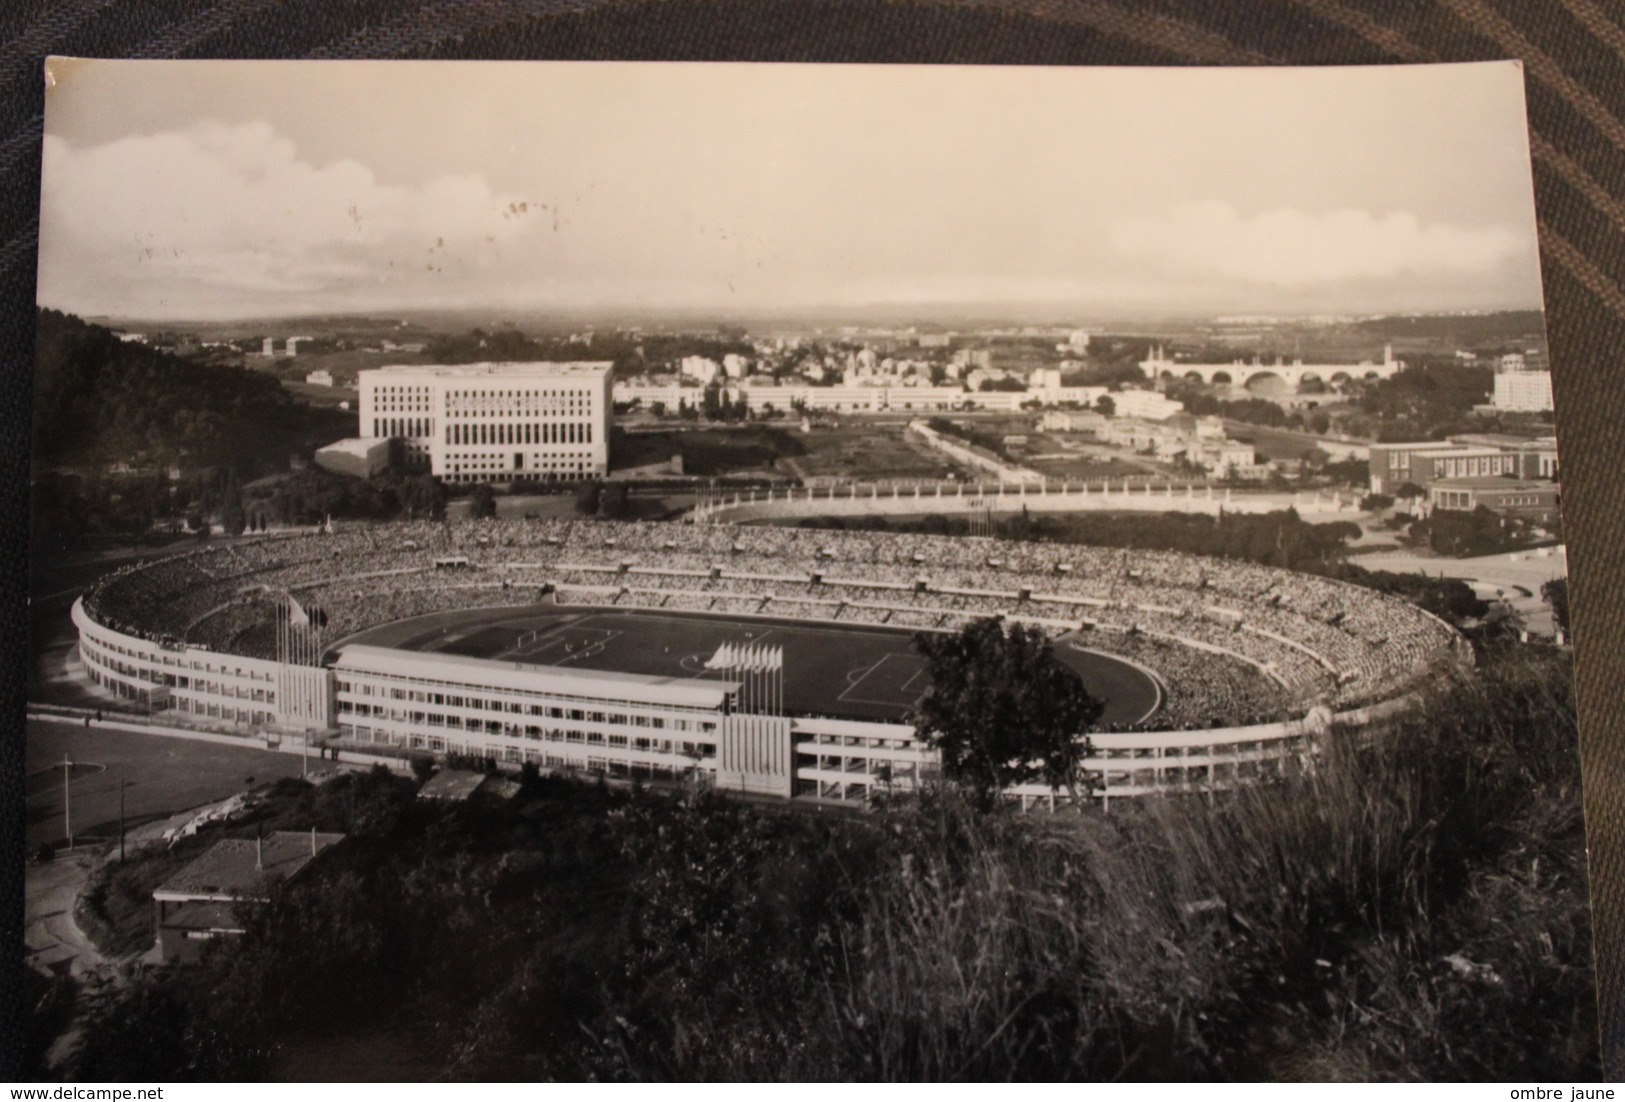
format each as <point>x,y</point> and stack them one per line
<point>853,672</point>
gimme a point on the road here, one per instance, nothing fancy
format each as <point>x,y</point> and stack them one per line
<point>1515,577</point>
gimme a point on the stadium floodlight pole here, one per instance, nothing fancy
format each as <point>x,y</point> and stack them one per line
<point>67,800</point>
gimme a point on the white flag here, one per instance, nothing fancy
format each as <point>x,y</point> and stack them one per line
<point>297,614</point>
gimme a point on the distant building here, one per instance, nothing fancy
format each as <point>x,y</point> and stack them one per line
<point>699,367</point>
<point>451,785</point>
<point>320,377</point>
<point>1537,458</point>
<point>357,456</point>
<point>1147,404</point>
<point>1523,391</point>
<point>1533,501</point>
<point>1082,420</point>
<point>486,422</point>
<point>200,903</point>
<point>1467,456</point>
<point>1224,457</point>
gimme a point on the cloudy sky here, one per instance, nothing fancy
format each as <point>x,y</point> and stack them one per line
<point>194,190</point>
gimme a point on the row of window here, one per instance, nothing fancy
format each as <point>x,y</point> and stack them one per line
<point>688,749</point>
<point>521,432</point>
<point>536,711</point>
<point>467,402</point>
<point>89,645</point>
<point>517,754</point>
<point>422,690</point>
<point>402,426</point>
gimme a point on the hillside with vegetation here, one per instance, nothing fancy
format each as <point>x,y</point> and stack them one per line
<point>1415,909</point>
<point>99,400</point>
<point>127,437</point>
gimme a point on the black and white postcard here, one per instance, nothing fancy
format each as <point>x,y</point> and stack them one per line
<point>615,571</point>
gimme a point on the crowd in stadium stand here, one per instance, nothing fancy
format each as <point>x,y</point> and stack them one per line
<point>1233,642</point>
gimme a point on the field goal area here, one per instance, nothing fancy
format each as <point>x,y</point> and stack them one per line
<point>896,681</point>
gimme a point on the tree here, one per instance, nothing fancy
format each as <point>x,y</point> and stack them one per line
<point>232,517</point>
<point>1556,594</point>
<point>424,496</point>
<point>613,502</point>
<point>1002,710</point>
<point>482,501</point>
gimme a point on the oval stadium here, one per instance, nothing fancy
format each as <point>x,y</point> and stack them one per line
<point>773,661</point>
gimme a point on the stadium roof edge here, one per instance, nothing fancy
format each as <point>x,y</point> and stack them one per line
<point>529,677</point>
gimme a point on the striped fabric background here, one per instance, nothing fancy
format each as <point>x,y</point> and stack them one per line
<point>1574,56</point>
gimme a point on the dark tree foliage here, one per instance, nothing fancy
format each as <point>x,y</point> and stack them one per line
<point>1464,535</point>
<point>989,441</point>
<point>1254,411</point>
<point>139,1029</point>
<point>1556,594</point>
<point>1276,539</point>
<point>613,501</point>
<point>100,400</point>
<point>1350,472</point>
<point>482,501</point>
<point>1002,710</point>
<point>588,496</point>
<point>1426,400</point>
<point>631,354</point>
<point>308,496</point>
<point>233,520</point>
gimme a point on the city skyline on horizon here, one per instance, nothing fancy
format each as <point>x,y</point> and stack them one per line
<point>234,191</point>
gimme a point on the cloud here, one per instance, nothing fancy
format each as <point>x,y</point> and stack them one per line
<point>1292,247</point>
<point>218,211</point>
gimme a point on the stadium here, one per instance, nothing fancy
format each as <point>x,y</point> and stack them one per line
<point>774,661</point>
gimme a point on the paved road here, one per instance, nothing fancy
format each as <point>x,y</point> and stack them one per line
<point>52,941</point>
<point>1517,576</point>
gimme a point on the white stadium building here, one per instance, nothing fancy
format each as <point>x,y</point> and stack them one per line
<point>1252,666</point>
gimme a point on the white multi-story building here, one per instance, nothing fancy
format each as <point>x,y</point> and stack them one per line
<point>485,422</point>
<point>699,367</point>
<point>1147,404</point>
<point>1523,391</point>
